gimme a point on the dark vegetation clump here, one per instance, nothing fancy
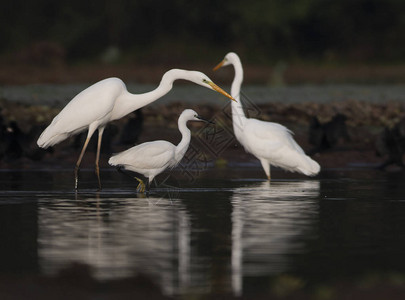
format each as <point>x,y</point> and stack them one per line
<point>391,144</point>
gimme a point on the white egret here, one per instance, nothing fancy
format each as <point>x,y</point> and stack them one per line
<point>152,158</point>
<point>270,142</point>
<point>105,101</point>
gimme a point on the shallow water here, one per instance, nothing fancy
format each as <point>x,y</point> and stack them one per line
<point>225,232</point>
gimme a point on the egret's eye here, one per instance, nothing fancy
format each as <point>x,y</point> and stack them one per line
<point>205,80</point>
<point>195,116</point>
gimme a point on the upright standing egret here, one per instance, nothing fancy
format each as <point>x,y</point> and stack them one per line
<point>152,158</point>
<point>270,142</point>
<point>105,101</point>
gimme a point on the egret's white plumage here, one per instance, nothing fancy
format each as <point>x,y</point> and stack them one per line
<point>152,158</point>
<point>109,100</point>
<point>270,142</point>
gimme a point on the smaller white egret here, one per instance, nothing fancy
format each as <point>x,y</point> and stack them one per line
<point>270,142</point>
<point>152,158</point>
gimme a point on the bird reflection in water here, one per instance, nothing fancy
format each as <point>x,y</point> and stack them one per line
<point>116,237</point>
<point>164,238</point>
<point>267,220</point>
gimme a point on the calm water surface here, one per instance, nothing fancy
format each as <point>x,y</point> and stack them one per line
<point>223,233</point>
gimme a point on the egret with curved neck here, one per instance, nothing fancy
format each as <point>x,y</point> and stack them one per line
<point>105,101</point>
<point>152,158</point>
<point>270,142</point>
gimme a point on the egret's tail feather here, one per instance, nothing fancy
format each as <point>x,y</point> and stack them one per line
<point>47,140</point>
<point>113,161</point>
<point>311,167</point>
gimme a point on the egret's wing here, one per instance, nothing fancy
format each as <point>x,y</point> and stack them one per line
<point>150,155</point>
<point>269,135</point>
<point>274,142</point>
<point>90,105</point>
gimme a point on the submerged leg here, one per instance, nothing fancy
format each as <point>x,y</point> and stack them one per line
<point>79,161</point>
<point>147,187</point>
<point>141,185</point>
<point>100,136</point>
<point>92,128</point>
<point>150,181</point>
<point>266,168</point>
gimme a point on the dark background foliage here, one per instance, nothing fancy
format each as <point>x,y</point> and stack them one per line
<point>157,31</point>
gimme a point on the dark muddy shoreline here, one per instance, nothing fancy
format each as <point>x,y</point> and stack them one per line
<point>365,123</point>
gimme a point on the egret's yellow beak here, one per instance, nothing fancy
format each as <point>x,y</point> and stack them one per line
<point>219,90</point>
<point>219,65</point>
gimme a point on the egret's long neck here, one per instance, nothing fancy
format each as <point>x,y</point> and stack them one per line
<point>238,115</point>
<point>182,147</point>
<point>127,102</point>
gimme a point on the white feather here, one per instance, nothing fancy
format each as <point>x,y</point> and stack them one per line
<point>109,100</point>
<point>272,143</point>
<point>152,158</point>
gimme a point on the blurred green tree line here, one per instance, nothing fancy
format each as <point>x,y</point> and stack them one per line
<point>354,30</point>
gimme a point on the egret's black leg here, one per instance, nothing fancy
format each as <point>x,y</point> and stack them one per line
<point>141,185</point>
<point>147,187</point>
